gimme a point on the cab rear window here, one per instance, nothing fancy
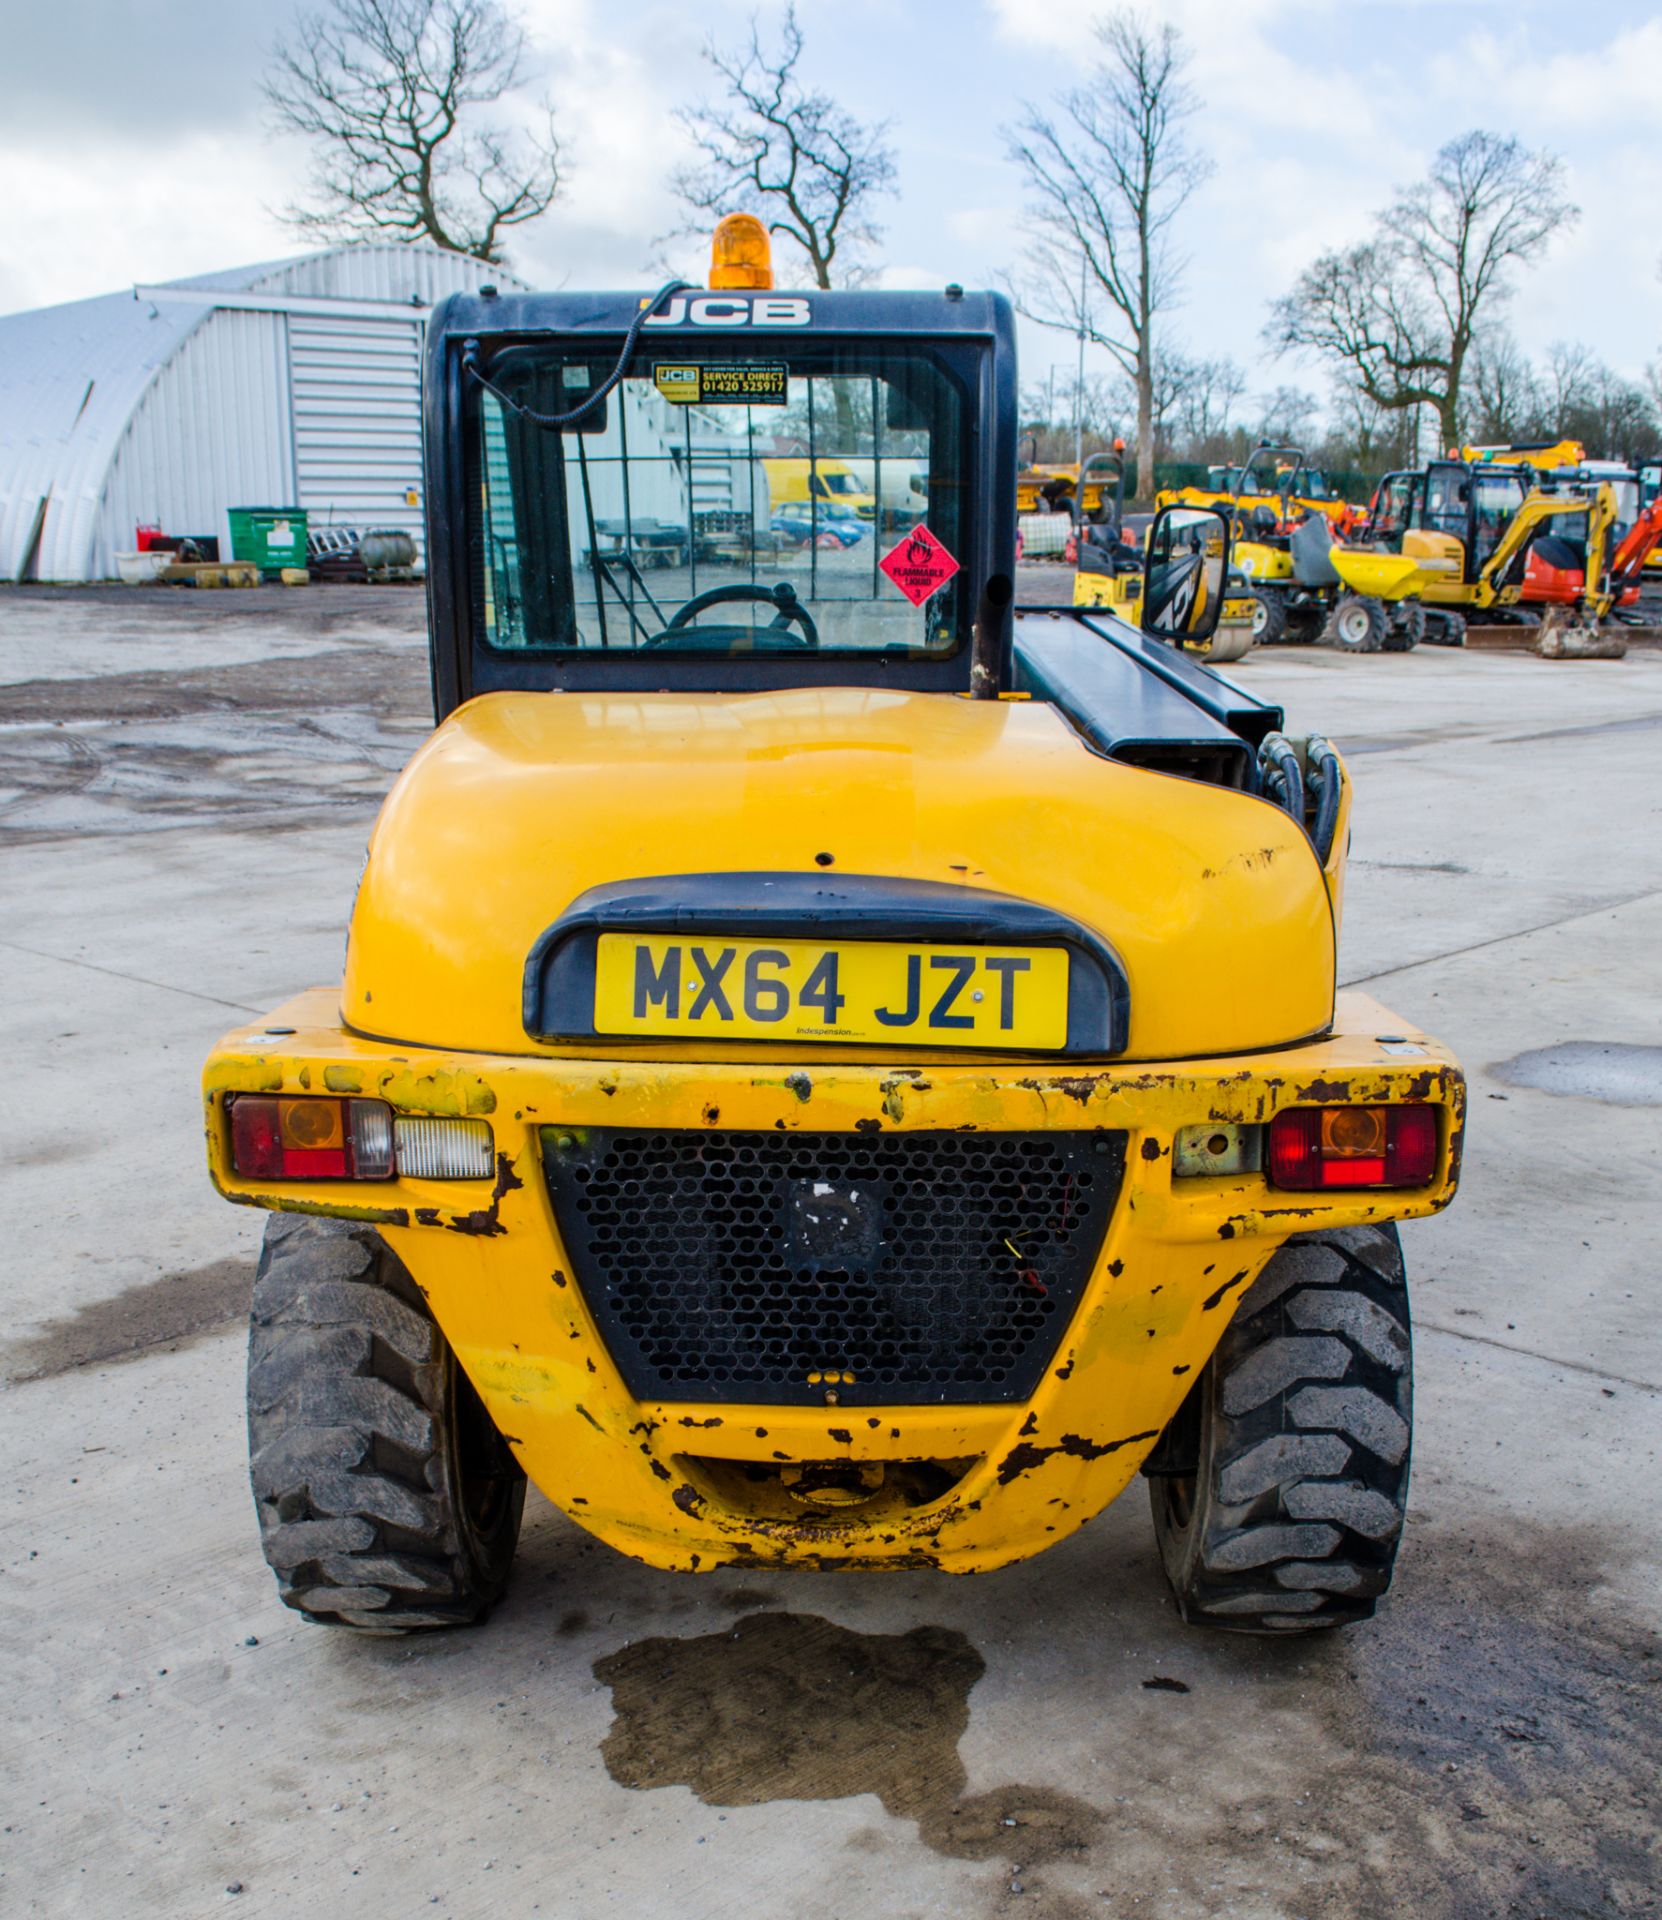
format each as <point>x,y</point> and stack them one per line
<point>717,503</point>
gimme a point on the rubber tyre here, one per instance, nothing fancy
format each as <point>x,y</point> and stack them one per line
<point>1446,628</point>
<point>1269,617</point>
<point>1357,624</point>
<point>1304,625</point>
<point>1407,627</point>
<point>387,1499</point>
<point>1302,1422</point>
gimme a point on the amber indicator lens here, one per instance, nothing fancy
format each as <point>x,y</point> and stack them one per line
<point>311,1124</point>
<point>1326,1147</point>
<point>1350,1132</point>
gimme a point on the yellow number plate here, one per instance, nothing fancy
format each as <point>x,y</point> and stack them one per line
<point>703,987</point>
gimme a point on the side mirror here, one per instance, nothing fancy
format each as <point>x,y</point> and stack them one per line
<point>1183,581</point>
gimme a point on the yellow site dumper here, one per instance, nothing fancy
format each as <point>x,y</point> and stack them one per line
<point>831,1070</point>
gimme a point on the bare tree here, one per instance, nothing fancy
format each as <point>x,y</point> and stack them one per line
<point>1107,170</point>
<point>1399,315</point>
<point>1365,436</point>
<point>390,92</point>
<point>1209,392</point>
<point>1288,416</point>
<point>1574,371</point>
<point>1587,400</point>
<point>803,164</point>
<point>1506,403</point>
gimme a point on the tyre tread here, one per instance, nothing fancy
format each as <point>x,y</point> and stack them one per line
<point>1303,1482</point>
<point>350,1392</point>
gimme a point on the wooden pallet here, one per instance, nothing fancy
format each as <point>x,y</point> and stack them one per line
<point>210,573</point>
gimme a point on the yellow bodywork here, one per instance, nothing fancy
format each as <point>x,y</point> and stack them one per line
<point>1038,487</point>
<point>1261,564</point>
<point>1563,453</point>
<point>1381,576</point>
<point>1338,511</point>
<point>1213,899</point>
<point>1123,594</point>
<point>1444,557</point>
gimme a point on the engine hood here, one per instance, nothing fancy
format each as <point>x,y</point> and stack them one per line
<point>522,802</point>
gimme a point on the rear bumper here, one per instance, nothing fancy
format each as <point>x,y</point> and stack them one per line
<point>694,1486</point>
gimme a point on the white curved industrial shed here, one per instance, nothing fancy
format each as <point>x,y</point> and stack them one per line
<point>293,383</point>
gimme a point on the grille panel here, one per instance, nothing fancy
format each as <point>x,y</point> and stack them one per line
<point>728,1265</point>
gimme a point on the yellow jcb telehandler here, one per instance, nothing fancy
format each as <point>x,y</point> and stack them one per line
<point>829,1072</point>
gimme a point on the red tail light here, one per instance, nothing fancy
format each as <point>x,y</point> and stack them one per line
<point>310,1139</point>
<point>1313,1147</point>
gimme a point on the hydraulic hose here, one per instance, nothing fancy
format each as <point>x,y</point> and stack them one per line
<point>1325,782</point>
<point>1281,776</point>
<point>558,422</point>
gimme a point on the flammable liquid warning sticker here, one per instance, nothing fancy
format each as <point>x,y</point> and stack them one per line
<point>726,383</point>
<point>919,566</point>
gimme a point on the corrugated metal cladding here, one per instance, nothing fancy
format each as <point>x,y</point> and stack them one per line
<point>357,420</point>
<point>171,404</point>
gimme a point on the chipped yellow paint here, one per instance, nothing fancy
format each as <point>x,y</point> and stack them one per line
<point>647,1477</point>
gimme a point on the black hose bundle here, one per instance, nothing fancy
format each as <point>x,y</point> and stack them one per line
<point>1312,798</point>
<point>1325,782</point>
<point>1280,777</point>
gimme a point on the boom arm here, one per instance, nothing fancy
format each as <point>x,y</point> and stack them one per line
<point>1636,547</point>
<point>1599,509</point>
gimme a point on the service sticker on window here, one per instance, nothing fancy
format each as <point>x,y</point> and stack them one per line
<point>919,566</point>
<point>724,383</point>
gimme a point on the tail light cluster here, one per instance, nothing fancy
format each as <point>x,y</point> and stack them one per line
<point>1313,1147</point>
<point>321,1139</point>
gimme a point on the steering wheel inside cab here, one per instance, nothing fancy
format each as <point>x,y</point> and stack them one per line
<point>728,639</point>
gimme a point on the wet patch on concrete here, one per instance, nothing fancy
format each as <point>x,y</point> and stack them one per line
<point>1513,1720</point>
<point>743,1599</point>
<point>1486,1749</point>
<point>169,1312</point>
<point>1607,1070</point>
<point>790,1706</point>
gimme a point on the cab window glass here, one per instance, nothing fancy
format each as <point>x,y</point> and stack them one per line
<point>718,503</point>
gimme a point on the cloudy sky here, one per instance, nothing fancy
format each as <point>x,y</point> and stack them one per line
<point>134,144</point>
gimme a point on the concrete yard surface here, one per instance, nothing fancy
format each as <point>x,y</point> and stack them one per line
<point>186,781</point>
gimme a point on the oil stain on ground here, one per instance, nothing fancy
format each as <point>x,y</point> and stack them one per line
<point>1514,1719</point>
<point>790,1706</point>
<point>168,1312</point>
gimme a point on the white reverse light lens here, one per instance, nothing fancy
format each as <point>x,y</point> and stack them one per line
<point>371,1123</point>
<point>444,1149</point>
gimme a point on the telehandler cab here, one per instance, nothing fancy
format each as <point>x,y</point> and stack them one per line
<point>830,1071</point>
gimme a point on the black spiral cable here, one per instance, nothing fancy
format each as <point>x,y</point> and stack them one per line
<point>559,422</point>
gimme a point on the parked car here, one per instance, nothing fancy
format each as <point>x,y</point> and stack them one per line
<point>827,525</point>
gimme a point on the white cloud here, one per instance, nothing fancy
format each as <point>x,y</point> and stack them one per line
<point>121,159</point>
<point>150,210</point>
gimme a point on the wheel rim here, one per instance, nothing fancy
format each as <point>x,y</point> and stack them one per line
<point>1260,618</point>
<point>1353,624</point>
<point>484,1471</point>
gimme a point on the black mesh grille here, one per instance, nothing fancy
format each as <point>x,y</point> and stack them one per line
<point>888,1266</point>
